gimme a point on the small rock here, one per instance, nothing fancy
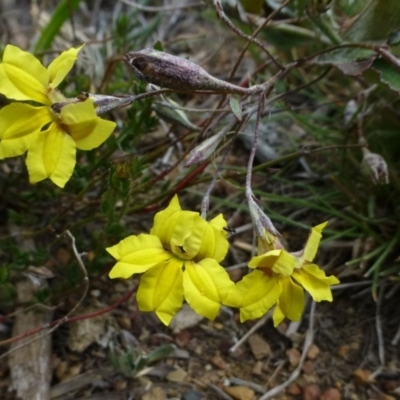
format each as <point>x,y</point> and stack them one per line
<point>61,369</point>
<point>240,392</point>
<point>294,389</point>
<point>124,323</point>
<point>311,392</point>
<point>218,362</point>
<point>155,393</point>
<point>294,356</point>
<point>218,326</point>
<point>178,375</point>
<point>362,376</point>
<point>185,318</point>
<point>258,368</point>
<point>344,351</point>
<point>259,347</point>
<point>308,367</point>
<point>183,338</point>
<point>95,293</point>
<point>85,332</point>
<point>313,352</point>
<point>191,395</point>
<point>331,394</point>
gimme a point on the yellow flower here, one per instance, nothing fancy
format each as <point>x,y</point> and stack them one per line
<point>279,278</point>
<point>180,259</point>
<point>50,138</point>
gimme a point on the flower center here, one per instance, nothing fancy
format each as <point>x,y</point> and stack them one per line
<point>181,253</point>
<point>266,271</point>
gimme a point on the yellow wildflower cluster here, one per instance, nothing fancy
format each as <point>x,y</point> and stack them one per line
<point>180,260</point>
<point>49,137</point>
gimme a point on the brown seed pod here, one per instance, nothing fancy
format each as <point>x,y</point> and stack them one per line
<point>172,72</point>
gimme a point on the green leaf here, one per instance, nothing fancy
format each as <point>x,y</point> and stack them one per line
<point>160,353</point>
<point>166,111</point>
<point>62,12</point>
<point>158,46</point>
<point>236,107</point>
<point>388,73</point>
<point>351,61</point>
<point>394,38</point>
<point>376,23</point>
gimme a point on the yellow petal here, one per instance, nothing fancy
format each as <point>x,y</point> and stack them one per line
<point>161,290</point>
<point>284,264</point>
<point>51,155</point>
<point>266,260</point>
<point>278,261</point>
<point>192,237</point>
<point>214,243</point>
<point>8,89</point>
<point>314,280</point>
<point>19,126</point>
<point>254,295</point>
<point>290,302</point>
<point>164,222</point>
<point>84,126</point>
<point>27,78</point>
<point>311,247</point>
<point>190,231</point>
<point>61,65</point>
<point>205,285</point>
<point>136,254</point>
<point>278,316</point>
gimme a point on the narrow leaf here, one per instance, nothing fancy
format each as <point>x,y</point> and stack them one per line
<point>236,107</point>
<point>62,12</point>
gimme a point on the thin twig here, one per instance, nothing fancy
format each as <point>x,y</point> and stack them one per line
<point>25,310</point>
<point>255,33</point>
<point>254,328</point>
<point>296,373</point>
<point>223,395</point>
<point>206,199</point>
<point>378,326</point>
<point>241,382</point>
<point>396,337</point>
<point>221,14</point>
<point>93,314</point>
<point>351,285</point>
<point>249,192</point>
<point>389,57</point>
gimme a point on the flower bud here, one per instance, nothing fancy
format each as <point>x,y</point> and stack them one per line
<point>374,166</point>
<point>102,103</point>
<point>168,71</point>
<point>267,235</point>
